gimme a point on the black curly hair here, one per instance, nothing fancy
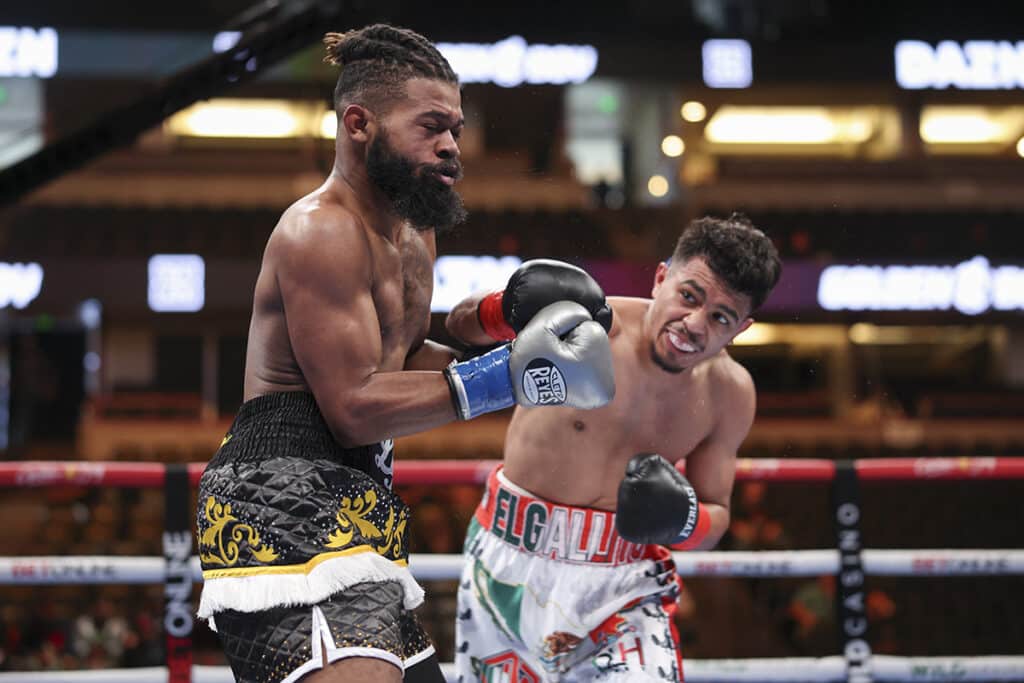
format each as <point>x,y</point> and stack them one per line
<point>377,60</point>
<point>739,254</point>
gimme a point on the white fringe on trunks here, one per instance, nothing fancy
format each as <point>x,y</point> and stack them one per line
<point>263,591</point>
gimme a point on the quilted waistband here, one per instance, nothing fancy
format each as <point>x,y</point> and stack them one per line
<point>299,407</point>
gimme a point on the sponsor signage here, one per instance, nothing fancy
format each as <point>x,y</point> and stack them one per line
<point>995,565</point>
<point>851,608</point>
<point>729,568</point>
<point>185,282</point>
<point>943,468</point>
<point>971,65</point>
<point>28,52</point>
<point>512,61</point>
<point>37,52</point>
<point>971,287</point>
<point>55,570</point>
<point>52,474</point>
<point>177,545</point>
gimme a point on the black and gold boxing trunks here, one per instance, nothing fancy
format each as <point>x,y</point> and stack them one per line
<point>303,542</point>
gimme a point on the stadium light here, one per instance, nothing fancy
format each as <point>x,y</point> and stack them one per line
<point>788,125</point>
<point>693,111</point>
<point>970,125</point>
<point>657,185</point>
<point>672,146</point>
<point>240,118</point>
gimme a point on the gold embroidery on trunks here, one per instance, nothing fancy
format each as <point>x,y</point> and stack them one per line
<point>224,534</point>
<point>353,514</point>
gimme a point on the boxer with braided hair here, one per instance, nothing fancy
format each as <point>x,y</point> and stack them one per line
<point>382,57</point>
<point>301,538</point>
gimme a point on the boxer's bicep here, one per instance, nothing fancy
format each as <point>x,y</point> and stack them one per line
<point>711,467</point>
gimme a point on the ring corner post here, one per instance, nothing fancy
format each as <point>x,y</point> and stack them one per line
<point>850,595</point>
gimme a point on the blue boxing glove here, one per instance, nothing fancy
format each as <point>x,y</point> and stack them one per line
<point>562,357</point>
<point>482,384</point>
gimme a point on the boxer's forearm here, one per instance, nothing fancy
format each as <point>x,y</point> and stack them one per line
<point>719,517</point>
<point>431,356</point>
<point>463,323</point>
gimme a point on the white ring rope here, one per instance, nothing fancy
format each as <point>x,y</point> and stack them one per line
<point>776,670</point>
<point>883,668</point>
<point>58,570</point>
<point>99,569</point>
<point>108,569</point>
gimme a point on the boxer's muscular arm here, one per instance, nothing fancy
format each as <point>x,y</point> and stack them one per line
<point>430,356</point>
<point>463,323</point>
<point>711,467</point>
<point>324,271</point>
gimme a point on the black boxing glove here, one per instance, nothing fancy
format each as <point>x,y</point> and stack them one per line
<point>658,505</point>
<point>533,286</point>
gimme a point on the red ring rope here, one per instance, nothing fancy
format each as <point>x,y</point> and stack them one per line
<point>151,475</point>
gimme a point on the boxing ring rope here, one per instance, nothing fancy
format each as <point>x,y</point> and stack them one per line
<point>753,670</point>
<point>152,475</point>
<point>97,570</point>
<point>93,570</point>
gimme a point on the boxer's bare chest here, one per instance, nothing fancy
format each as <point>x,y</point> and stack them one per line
<point>668,415</point>
<point>579,456</point>
<point>403,285</point>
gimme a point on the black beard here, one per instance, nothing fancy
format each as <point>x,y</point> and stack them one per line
<point>662,364</point>
<point>420,198</point>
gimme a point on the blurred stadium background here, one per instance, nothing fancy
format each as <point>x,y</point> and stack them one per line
<point>880,144</point>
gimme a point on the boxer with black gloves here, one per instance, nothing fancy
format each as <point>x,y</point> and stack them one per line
<point>568,561</point>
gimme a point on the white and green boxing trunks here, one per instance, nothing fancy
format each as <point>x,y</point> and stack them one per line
<point>552,593</point>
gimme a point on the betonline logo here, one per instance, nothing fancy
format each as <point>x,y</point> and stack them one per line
<point>971,287</point>
<point>511,62</point>
<point>974,65</point>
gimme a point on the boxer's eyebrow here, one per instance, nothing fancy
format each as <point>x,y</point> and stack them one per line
<point>700,290</point>
<point>446,118</point>
<point>704,295</point>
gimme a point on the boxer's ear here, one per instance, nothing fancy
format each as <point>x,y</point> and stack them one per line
<point>355,123</point>
<point>659,276</point>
